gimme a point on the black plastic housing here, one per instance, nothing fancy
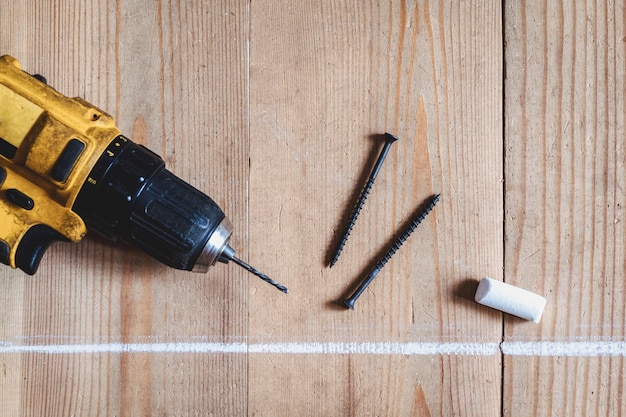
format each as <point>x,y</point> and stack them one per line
<point>131,197</point>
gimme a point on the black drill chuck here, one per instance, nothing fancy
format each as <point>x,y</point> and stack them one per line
<point>131,197</point>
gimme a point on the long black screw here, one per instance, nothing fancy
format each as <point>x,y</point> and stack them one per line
<point>349,302</point>
<point>389,139</point>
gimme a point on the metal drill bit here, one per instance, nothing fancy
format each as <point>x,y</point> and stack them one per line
<point>259,274</point>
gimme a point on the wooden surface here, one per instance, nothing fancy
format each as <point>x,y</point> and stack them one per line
<point>565,196</point>
<point>514,112</point>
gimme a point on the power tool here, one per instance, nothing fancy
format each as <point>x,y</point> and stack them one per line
<point>65,168</point>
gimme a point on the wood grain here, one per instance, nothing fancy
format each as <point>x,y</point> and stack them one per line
<point>288,101</point>
<point>174,76</point>
<point>565,225</point>
<point>325,83</point>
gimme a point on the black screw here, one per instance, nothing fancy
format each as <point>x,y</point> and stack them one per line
<point>389,139</point>
<point>349,302</point>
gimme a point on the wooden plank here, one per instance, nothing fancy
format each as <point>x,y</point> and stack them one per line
<point>565,226</point>
<point>325,80</point>
<point>174,76</point>
<point>412,386</point>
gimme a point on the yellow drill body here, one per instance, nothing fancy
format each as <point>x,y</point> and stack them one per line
<point>66,168</point>
<point>36,125</point>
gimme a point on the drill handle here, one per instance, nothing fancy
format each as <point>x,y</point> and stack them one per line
<point>31,221</point>
<point>31,248</point>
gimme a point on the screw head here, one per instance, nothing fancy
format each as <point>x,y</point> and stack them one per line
<point>391,138</point>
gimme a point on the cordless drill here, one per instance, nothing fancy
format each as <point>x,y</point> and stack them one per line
<point>65,168</point>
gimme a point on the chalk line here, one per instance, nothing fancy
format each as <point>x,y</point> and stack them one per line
<point>390,348</point>
<point>600,348</point>
<point>577,349</point>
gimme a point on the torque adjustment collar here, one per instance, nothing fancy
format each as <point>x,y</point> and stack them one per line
<point>131,197</point>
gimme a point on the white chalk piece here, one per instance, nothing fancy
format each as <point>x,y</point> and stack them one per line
<point>510,299</point>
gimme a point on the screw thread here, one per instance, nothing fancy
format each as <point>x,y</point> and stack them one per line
<point>390,139</point>
<point>349,302</point>
<point>353,217</point>
<point>410,229</point>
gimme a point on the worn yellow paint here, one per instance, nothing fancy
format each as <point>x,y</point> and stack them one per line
<point>39,122</point>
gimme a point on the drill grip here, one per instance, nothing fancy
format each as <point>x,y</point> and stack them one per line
<point>33,245</point>
<point>131,197</point>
